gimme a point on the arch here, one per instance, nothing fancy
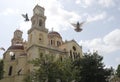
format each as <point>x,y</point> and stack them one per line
<point>13,57</point>
<point>40,22</point>
<point>58,43</point>
<point>74,48</point>
<point>40,38</point>
<point>10,71</point>
<point>70,53</point>
<point>52,42</point>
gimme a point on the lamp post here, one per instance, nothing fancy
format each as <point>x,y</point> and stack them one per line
<point>12,55</point>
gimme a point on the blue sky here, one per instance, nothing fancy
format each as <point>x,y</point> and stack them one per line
<point>101,31</point>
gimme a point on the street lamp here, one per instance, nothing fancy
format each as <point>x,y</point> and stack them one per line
<point>12,55</point>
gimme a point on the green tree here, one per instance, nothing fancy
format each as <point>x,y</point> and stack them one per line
<point>118,71</point>
<point>1,69</point>
<point>47,68</point>
<point>68,72</point>
<point>91,69</point>
<point>51,69</point>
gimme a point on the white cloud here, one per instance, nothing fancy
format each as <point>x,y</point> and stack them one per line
<point>113,40</point>
<point>88,3</point>
<point>106,3</point>
<point>78,1</point>
<point>107,44</point>
<point>57,16</point>
<point>24,26</point>
<point>111,18</point>
<point>117,60</point>
<point>9,11</point>
<point>119,8</point>
<point>96,17</point>
<point>85,3</point>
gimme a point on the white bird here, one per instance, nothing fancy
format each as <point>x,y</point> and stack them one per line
<point>78,26</point>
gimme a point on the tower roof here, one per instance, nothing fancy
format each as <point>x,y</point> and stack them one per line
<point>14,47</point>
<point>17,30</point>
<point>38,6</point>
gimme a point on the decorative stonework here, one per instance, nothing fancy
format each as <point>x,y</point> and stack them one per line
<point>16,66</point>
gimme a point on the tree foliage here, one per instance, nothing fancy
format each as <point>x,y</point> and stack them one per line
<point>1,69</point>
<point>118,71</point>
<point>50,69</point>
<point>91,69</point>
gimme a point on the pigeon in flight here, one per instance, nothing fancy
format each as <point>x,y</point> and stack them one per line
<point>25,16</point>
<point>78,26</point>
<point>2,48</point>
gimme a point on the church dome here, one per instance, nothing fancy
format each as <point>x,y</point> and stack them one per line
<point>54,33</point>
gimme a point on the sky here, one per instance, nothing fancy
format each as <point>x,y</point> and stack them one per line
<point>101,32</point>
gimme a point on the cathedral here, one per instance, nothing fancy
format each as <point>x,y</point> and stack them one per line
<point>40,40</point>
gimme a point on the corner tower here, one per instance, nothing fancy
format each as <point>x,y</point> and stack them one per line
<point>37,35</point>
<point>17,38</point>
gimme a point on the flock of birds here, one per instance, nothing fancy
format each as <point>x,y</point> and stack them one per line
<point>77,25</point>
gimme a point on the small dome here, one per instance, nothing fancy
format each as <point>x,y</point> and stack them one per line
<point>21,47</point>
<point>53,33</point>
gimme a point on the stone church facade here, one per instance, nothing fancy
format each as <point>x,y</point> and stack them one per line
<point>40,40</point>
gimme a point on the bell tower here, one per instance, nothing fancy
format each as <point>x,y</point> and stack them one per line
<point>17,38</point>
<point>38,19</point>
<point>38,33</point>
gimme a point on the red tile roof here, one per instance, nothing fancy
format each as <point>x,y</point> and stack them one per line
<point>21,47</point>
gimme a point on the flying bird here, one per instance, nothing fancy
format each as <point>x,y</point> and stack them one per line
<point>2,48</point>
<point>78,26</point>
<point>19,71</point>
<point>25,16</point>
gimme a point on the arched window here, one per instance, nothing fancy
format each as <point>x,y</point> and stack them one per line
<point>40,38</point>
<point>40,22</point>
<point>74,48</point>
<point>70,53</point>
<point>51,42</point>
<point>13,57</point>
<point>41,54</point>
<point>58,43</point>
<point>10,71</point>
